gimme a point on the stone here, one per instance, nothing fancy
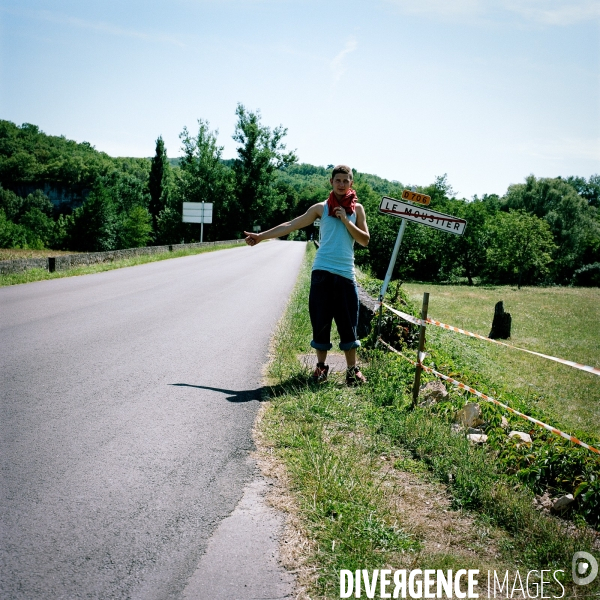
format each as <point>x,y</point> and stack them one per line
<point>504,423</point>
<point>366,312</point>
<point>470,415</point>
<point>524,438</point>
<point>561,503</point>
<point>69,261</point>
<point>543,502</point>
<point>477,438</point>
<point>475,430</point>
<point>432,392</point>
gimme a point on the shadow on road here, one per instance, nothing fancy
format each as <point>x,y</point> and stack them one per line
<point>234,396</point>
<point>289,386</point>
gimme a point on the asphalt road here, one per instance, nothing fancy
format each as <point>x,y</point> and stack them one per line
<point>127,402</point>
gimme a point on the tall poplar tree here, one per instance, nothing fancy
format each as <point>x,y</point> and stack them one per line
<point>157,180</point>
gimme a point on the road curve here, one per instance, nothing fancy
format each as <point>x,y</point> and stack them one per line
<point>127,400</point>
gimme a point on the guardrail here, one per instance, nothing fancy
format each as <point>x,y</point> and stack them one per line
<point>68,261</point>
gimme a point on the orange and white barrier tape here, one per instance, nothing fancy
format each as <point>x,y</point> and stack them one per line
<point>561,361</point>
<point>404,315</point>
<point>490,399</point>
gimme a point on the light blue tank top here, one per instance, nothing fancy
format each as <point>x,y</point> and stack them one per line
<point>336,250</point>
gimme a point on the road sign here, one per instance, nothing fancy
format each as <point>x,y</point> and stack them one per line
<point>197,212</point>
<point>416,197</point>
<point>424,216</point>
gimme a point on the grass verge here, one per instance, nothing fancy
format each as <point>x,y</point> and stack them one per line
<point>353,458</point>
<point>41,274</point>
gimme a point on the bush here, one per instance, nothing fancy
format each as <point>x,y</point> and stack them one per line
<point>41,227</point>
<point>135,229</point>
<point>11,234</point>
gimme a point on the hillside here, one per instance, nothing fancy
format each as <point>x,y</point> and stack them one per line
<point>62,194</point>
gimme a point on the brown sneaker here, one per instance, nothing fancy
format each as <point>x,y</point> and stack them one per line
<point>320,373</point>
<point>354,377</point>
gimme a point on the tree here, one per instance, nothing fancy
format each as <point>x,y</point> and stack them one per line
<point>260,154</point>
<point>590,189</point>
<point>29,158</point>
<point>466,254</point>
<point>571,218</point>
<point>440,190</point>
<point>157,181</point>
<point>11,234</point>
<point>135,230</point>
<point>520,250</point>
<point>11,204</point>
<point>95,223</point>
<point>41,226</point>
<point>204,178</point>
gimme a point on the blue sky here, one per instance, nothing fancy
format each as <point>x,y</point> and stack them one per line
<point>487,91</point>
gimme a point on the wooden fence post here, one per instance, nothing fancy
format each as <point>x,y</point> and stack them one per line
<point>418,369</point>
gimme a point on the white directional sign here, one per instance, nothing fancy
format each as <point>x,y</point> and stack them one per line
<point>424,216</point>
<point>197,212</point>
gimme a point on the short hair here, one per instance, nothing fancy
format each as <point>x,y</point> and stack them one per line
<point>342,169</point>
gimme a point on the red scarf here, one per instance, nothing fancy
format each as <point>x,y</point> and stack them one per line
<point>348,203</point>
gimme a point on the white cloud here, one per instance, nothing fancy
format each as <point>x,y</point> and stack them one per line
<point>547,12</point>
<point>555,12</point>
<point>337,64</point>
<point>100,26</point>
<point>562,148</point>
<point>442,8</point>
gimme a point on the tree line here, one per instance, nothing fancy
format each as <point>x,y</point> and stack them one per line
<point>56,193</point>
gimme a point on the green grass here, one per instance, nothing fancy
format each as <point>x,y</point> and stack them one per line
<point>561,322</point>
<point>552,464</point>
<point>331,440</point>
<point>41,274</point>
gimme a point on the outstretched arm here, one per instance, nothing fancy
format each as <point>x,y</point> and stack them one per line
<point>313,213</point>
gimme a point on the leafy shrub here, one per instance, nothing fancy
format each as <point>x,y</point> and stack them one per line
<point>11,234</point>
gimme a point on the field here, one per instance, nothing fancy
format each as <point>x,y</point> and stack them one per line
<point>559,321</point>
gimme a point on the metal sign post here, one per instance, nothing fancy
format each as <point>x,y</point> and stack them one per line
<point>413,196</point>
<point>388,274</point>
<point>198,212</point>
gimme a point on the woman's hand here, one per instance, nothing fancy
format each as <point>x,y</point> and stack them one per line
<point>252,238</point>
